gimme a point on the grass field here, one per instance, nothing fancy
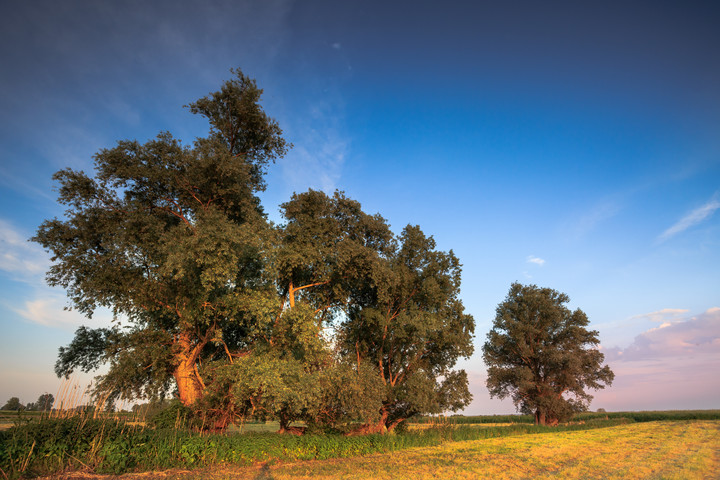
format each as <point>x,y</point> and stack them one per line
<point>651,450</point>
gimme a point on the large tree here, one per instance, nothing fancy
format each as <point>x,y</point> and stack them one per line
<point>172,238</point>
<point>541,355</point>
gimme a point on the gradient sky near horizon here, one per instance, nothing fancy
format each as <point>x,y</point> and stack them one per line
<point>572,145</point>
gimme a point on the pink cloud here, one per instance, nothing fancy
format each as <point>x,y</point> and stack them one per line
<point>672,366</point>
<point>674,339</point>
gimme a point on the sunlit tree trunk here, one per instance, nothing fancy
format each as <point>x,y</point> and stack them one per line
<point>189,383</point>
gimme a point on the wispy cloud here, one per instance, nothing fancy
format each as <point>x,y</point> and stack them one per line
<point>692,218</point>
<point>316,164</point>
<point>536,260</point>
<point>21,259</point>
<point>662,316</point>
<point>47,307</point>
<point>48,311</point>
<point>20,185</point>
<point>27,262</point>
<point>592,217</point>
<point>320,148</point>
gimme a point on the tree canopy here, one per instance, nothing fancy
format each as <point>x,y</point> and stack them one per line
<point>541,355</point>
<point>328,317</point>
<point>13,404</point>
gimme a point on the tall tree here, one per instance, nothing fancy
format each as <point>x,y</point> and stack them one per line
<point>413,328</point>
<point>172,238</point>
<point>541,355</point>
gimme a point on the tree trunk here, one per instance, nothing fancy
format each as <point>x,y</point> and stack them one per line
<point>394,424</point>
<point>189,386</point>
<point>370,427</point>
<point>286,428</point>
<point>539,417</point>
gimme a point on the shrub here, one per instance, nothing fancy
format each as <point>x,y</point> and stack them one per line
<point>174,415</point>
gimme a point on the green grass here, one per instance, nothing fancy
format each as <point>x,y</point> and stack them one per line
<point>45,446</point>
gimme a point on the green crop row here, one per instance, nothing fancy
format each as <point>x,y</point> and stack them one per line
<point>652,416</point>
<point>648,416</point>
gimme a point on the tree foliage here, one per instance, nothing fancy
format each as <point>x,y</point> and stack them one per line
<point>541,355</point>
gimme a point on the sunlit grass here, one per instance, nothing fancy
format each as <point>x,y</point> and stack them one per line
<point>668,450</point>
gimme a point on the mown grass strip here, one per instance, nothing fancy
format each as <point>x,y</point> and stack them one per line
<point>668,450</point>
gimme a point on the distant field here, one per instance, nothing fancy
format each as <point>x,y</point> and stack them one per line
<point>643,416</point>
<point>10,418</point>
<point>669,449</point>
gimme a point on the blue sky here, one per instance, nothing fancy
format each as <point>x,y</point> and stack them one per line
<point>565,144</point>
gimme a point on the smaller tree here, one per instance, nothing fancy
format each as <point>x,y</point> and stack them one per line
<point>45,402</point>
<point>13,404</point>
<point>540,353</point>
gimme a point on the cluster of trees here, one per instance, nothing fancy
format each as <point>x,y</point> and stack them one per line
<point>329,317</point>
<point>44,403</point>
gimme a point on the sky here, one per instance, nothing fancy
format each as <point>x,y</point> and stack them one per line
<point>571,145</point>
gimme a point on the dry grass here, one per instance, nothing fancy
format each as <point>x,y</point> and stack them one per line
<point>668,450</point>
<point>651,450</point>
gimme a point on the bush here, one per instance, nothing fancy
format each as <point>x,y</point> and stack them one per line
<point>174,415</point>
